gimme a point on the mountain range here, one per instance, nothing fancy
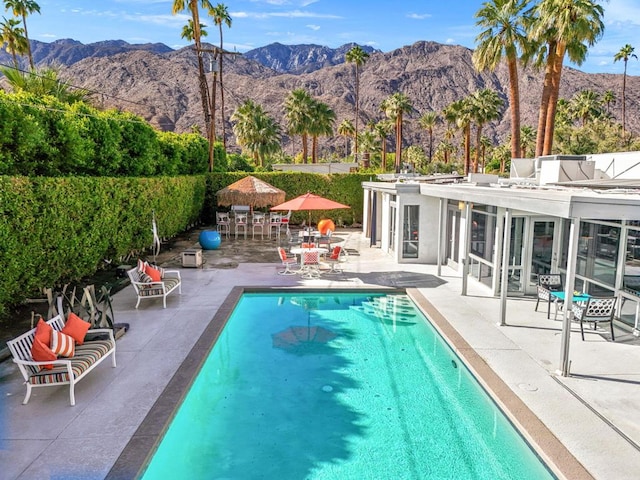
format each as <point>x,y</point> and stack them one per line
<point>161,85</point>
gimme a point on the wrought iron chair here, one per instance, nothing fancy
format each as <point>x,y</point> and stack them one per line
<point>310,264</point>
<point>257,223</point>
<point>596,310</point>
<point>223,223</point>
<point>241,223</point>
<point>547,283</point>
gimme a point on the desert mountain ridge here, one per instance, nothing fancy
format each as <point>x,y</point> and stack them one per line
<point>160,84</point>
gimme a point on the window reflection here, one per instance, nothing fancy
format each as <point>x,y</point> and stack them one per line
<point>598,248</point>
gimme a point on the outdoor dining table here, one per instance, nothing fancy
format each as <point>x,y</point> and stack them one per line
<point>558,299</point>
<point>309,271</point>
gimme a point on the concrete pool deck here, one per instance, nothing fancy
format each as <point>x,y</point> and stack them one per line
<point>595,412</point>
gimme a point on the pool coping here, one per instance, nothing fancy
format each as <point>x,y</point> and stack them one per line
<point>548,447</point>
<point>139,450</point>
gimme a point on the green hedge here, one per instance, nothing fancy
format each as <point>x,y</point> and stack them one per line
<point>41,136</point>
<point>57,230</point>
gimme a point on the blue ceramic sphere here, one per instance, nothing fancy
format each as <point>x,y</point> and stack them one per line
<point>209,239</point>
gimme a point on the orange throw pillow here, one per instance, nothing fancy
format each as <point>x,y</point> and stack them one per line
<point>43,332</point>
<point>62,344</point>
<point>154,273</point>
<point>76,328</point>
<point>41,353</point>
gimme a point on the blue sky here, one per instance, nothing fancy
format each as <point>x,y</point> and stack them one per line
<point>385,25</point>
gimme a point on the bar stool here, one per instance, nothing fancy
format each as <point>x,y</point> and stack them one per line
<point>241,223</point>
<point>257,222</point>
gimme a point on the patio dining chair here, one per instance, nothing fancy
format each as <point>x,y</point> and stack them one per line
<point>337,257</point>
<point>287,262</point>
<point>310,264</point>
<point>596,310</point>
<point>547,283</point>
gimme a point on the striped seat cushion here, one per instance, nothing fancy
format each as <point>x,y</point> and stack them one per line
<point>169,283</point>
<point>85,356</point>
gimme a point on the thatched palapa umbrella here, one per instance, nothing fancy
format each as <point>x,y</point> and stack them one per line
<point>250,191</point>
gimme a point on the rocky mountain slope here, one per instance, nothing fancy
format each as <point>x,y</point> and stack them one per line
<point>162,86</point>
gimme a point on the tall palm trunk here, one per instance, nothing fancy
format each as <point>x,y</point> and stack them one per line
<point>624,86</point>
<point>220,55</point>
<point>556,74</point>
<point>398,142</point>
<point>305,150</point>
<point>476,160</point>
<point>467,148</point>
<point>26,36</point>
<point>314,149</point>
<point>204,88</point>
<point>544,101</point>
<point>383,160</point>
<point>355,138</point>
<point>514,101</point>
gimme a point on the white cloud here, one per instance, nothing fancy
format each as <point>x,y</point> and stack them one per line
<point>418,16</point>
<point>450,40</point>
<point>313,27</point>
<point>166,20</point>
<point>288,14</point>
<point>48,35</point>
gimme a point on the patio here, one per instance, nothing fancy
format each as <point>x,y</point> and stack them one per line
<point>594,412</point>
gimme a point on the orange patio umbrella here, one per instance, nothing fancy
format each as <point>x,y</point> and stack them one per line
<point>309,201</point>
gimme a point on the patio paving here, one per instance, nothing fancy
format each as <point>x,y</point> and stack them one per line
<point>595,412</point>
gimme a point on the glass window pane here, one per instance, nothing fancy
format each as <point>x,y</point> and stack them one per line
<point>410,231</point>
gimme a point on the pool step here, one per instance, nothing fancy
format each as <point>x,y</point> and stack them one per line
<point>392,309</point>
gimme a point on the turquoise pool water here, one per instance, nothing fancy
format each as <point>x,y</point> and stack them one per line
<point>337,386</point>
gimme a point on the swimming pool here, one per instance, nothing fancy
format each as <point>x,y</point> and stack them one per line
<point>337,386</point>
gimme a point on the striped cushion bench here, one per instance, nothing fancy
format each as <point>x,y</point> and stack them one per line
<point>149,289</point>
<point>66,371</point>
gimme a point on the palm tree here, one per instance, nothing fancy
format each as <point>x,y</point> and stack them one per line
<point>428,121</point>
<point>383,129</point>
<point>23,8</point>
<point>192,6</point>
<point>485,143</point>
<point>256,131</point>
<point>485,107</point>
<point>357,56</point>
<point>503,35</point>
<point>347,130</point>
<point>297,107</point>
<point>220,15</point>
<point>461,112</point>
<point>188,31</point>
<point>46,81</point>
<point>624,54</point>
<point>568,27</point>
<point>395,107</point>
<point>367,143</point>
<point>608,98</point>
<point>586,105</point>
<point>13,39</point>
<point>322,122</point>
<point>527,138</point>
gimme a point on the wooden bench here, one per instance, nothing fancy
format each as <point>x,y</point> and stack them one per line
<point>171,281</point>
<point>66,371</point>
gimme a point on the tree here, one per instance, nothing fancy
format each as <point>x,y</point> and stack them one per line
<point>367,143</point>
<point>23,8</point>
<point>527,139</point>
<point>624,54</point>
<point>503,35</point>
<point>297,107</point>
<point>586,105</point>
<point>428,121</point>
<point>13,39</point>
<point>257,132</point>
<point>485,107</point>
<point>383,129</point>
<point>461,113</point>
<point>608,98</point>
<point>322,122</point>
<point>347,130</point>
<point>44,82</point>
<point>220,15</point>
<point>357,56</point>
<point>192,6</point>
<point>395,107</point>
<point>567,27</point>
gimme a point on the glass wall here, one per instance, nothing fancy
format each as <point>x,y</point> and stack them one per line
<point>598,253</point>
<point>410,231</point>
